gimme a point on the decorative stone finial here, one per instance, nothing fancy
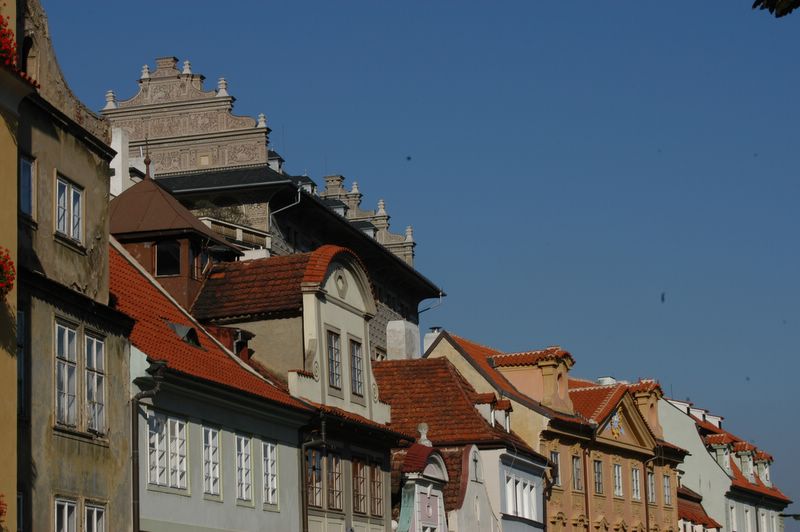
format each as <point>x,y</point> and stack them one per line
<point>222,87</point>
<point>262,120</point>
<point>145,72</point>
<point>381,208</point>
<point>355,190</point>
<point>187,67</point>
<point>423,435</point>
<point>111,100</point>
<point>409,234</point>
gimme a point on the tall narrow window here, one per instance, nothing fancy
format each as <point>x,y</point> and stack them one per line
<point>732,513</point>
<point>95,518</point>
<point>747,521</point>
<point>166,451</point>
<point>618,480</point>
<point>69,205</point>
<point>177,453</point>
<point>66,518</point>
<point>359,486</point>
<point>334,482</point>
<point>95,383</point>
<point>244,469</point>
<point>270,456</point>
<point>555,457</point>
<point>577,473</point>
<point>511,496</point>
<point>636,490</point>
<point>667,490</point>
<point>356,368</point>
<point>66,374</point>
<point>168,257</point>
<point>334,361</point>
<point>210,461</point>
<point>651,487</point>
<point>376,490</point>
<point>157,449</point>
<point>26,183</point>
<point>598,477</point>
<point>314,478</point>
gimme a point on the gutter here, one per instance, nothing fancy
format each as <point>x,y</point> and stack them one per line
<point>156,369</point>
<point>226,187</point>
<point>321,442</point>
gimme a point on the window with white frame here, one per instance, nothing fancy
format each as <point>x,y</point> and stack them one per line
<point>210,461</point>
<point>26,184</point>
<point>359,486</point>
<point>577,473</point>
<point>618,480</point>
<point>667,490</point>
<point>598,477</point>
<point>69,205</point>
<point>521,497</point>
<point>95,384</point>
<point>356,368</point>
<point>376,490</point>
<point>651,487</point>
<point>66,374</point>
<point>636,490</point>
<point>166,451</point>
<point>244,469</point>
<point>748,525</point>
<point>95,518</point>
<point>555,457</point>
<point>732,513</point>
<point>334,360</point>
<point>334,469</point>
<point>66,516</point>
<point>270,458</point>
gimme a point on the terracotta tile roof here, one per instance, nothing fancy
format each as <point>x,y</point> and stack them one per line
<point>723,438</point>
<point>668,445</point>
<point>503,404</point>
<point>416,458</point>
<point>146,208</point>
<point>430,390</point>
<point>763,456</point>
<point>646,385</point>
<point>141,297</point>
<point>690,508</point>
<point>361,420</point>
<point>263,286</point>
<point>574,382</point>
<point>707,426</point>
<point>456,459</point>
<point>742,446</point>
<point>480,355</point>
<point>528,358</point>
<point>741,482</point>
<point>486,398</point>
<point>597,402</point>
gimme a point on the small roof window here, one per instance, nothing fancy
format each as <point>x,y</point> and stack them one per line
<point>185,333</point>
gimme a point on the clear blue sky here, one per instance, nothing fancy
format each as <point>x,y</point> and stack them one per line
<point>569,163</point>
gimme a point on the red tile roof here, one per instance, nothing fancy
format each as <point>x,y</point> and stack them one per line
<point>741,482</point>
<point>486,398</point>
<point>432,391</point>
<point>720,439</point>
<point>690,508</point>
<point>763,456</point>
<point>646,385</point>
<point>141,297</point>
<point>574,382</point>
<point>742,446</point>
<point>416,458</point>
<point>263,286</point>
<point>597,402</point>
<point>480,356</point>
<point>528,358</point>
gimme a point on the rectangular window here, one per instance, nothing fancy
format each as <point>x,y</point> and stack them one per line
<point>66,375</point>
<point>636,490</point>
<point>270,457</point>
<point>359,486</point>
<point>314,478</point>
<point>577,473</point>
<point>244,469</point>
<point>520,497</point>
<point>651,487</point>
<point>69,200</point>
<point>598,477</point>
<point>26,183</point>
<point>334,470</point>
<point>95,383</point>
<point>66,518</point>
<point>747,522</point>
<point>556,459</point>
<point>168,257</point>
<point>732,512</point>
<point>618,480</point>
<point>667,491</point>
<point>210,461</point>
<point>166,451</point>
<point>376,490</point>
<point>356,368</point>
<point>95,518</point>
<point>334,361</point>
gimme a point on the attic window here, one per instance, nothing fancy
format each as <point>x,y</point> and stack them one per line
<point>168,257</point>
<point>185,333</point>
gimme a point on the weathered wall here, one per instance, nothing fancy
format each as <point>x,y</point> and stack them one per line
<point>278,343</point>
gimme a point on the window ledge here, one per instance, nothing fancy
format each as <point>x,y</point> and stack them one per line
<point>76,434</point>
<point>183,492</point>
<point>242,503</point>
<point>212,498</point>
<point>520,519</point>
<point>267,507</point>
<point>68,242</point>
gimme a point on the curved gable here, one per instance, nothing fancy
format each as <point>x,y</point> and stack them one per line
<point>342,275</point>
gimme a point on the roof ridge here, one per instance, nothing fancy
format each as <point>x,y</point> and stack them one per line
<point>457,337</point>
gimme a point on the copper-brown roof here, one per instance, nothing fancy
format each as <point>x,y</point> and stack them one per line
<point>147,209</point>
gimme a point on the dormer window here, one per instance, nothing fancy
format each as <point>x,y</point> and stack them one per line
<point>168,258</point>
<point>186,333</point>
